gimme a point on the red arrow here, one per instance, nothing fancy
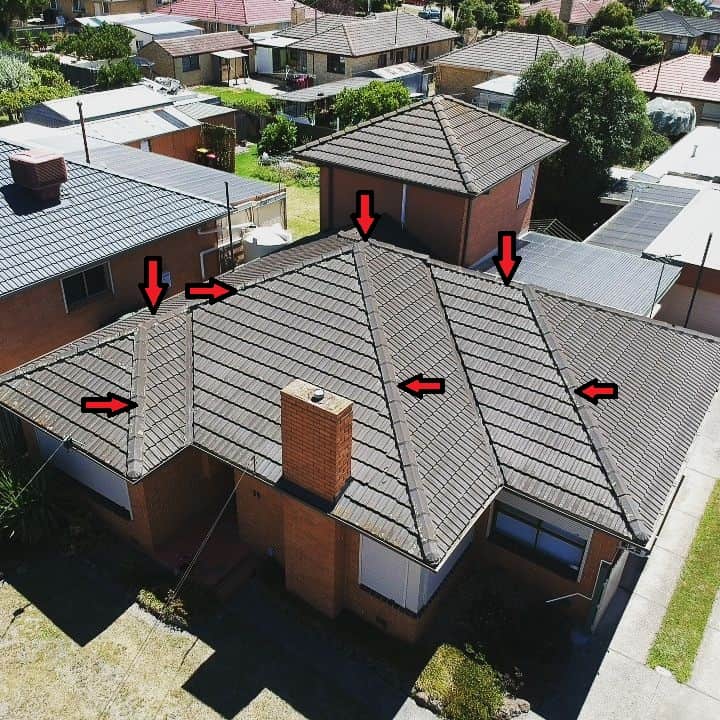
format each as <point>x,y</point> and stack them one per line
<point>419,386</point>
<point>153,291</point>
<point>213,290</point>
<point>594,390</point>
<point>111,404</point>
<point>507,260</point>
<point>364,218</point>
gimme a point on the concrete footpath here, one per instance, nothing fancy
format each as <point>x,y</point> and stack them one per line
<point>625,688</point>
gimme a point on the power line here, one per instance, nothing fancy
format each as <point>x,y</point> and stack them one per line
<point>64,443</point>
<point>172,594</point>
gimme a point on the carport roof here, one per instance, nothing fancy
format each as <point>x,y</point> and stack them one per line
<point>356,318</point>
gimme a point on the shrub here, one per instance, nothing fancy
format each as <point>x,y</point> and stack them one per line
<point>464,683</point>
<point>640,47</point>
<point>279,137</point>
<point>43,40</point>
<point>542,22</point>
<point>653,145</point>
<point>15,73</point>
<point>102,43</point>
<point>614,14</point>
<point>253,103</point>
<point>171,611</point>
<point>118,74</point>
<point>377,98</point>
<point>29,514</point>
<point>45,62</point>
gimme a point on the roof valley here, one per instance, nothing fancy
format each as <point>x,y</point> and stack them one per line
<point>628,505</point>
<point>416,494</point>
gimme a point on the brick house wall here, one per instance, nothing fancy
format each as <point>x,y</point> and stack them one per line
<point>458,81</point>
<point>35,321</point>
<point>454,228</point>
<point>206,74</point>
<point>317,62</point>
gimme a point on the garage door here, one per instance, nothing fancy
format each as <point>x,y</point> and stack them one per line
<point>86,471</point>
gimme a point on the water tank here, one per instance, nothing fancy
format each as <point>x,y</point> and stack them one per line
<point>261,241</point>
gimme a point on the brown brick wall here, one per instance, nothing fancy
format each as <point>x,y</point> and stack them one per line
<point>260,516</point>
<point>450,80</point>
<point>313,557</point>
<point>35,321</point>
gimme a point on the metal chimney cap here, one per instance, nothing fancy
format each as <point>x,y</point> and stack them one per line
<point>318,394</point>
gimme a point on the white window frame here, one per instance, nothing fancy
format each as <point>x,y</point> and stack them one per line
<point>110,287</point>
<point>527,185</point>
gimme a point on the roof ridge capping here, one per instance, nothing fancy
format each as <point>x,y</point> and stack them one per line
<point>416,493</point>
<point>626,501</point>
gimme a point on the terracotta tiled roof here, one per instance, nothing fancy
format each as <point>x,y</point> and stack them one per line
<point>583,11</point>
<point>234,12</point>
<point>688,76</point>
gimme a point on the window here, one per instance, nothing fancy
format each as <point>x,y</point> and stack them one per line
<point>106,8</point>
<point>145,146</point>
<point>538,540</point>
<point>190,62</point>
<point>139,43</point>
<point>336,64</point>
<point>424,52</point>
<point>382,60</point>
<point>399,56</point>
<point>527,180</point>
<point>77,6</point>
<point>412,54</point>
<point>679,44</point>
<point>79,288</point>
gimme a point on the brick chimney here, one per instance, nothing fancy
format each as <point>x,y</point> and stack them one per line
<point>566,7</point>
<point>715,62</point>
<point>39,171</point>
<point>297,14</point>
<point>316,439</point>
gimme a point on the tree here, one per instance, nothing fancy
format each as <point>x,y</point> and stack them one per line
<point>689,8</point>
<point>465,17</point>
<point>17,10</point>
<point>641,48</point>
<point>106,42</point>
<point>118,74</point>
<point>507,10</point>
<point>279,137</point>
<point>600,111</point>
<point>542,22</point>
<point>355,105</point>
<point>614,14</point>
<point>476,13</point>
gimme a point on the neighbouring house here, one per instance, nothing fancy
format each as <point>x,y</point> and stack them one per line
<point>608,277</point>
<point>201,59</point>
<point>314,105</point>
<point>680,33</point>
<point>576,14</point>
<point>371,500</point>
<point>502,55</point>
<point>695,78</point>
<point>138,116</point>
<point>72,255</point>
<point>343,47</point>
<point>449,174</point>
<point>245,16</point>
<point>71,10</point>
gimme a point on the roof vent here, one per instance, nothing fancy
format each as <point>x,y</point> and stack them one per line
<point>317,395</point>
<point>39,171</point>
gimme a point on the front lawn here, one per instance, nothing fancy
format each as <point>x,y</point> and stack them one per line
<point>681,633</point>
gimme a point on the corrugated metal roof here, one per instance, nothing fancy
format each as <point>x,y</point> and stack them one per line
<point>597,274</point>
<point>100,215</point>
<point>515,52</point>
<point>439,142</point>
<point>356,318</point>
<point>325,90</point>
<point>203,110</point>
<point>626,189</point>
<point>188,178</point>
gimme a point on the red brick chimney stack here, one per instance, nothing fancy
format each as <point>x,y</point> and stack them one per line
<point>316,439</point>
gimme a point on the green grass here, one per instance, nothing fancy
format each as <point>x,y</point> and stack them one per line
<point>231,96</point>
<point>682,630</point>
<point>303,197</point>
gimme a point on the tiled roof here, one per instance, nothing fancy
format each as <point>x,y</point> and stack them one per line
<point>514,52</point>
<point>667,22</point>
<point>201,44</point>
<point>615,279</point>
<point>235,12</point>
<point>311,27</point>
<point>374,34</point>
<point>356,318</point>
<point>583,11</point>
<point>100,214</point>
<point>439,142</point>
<point>688,76</point>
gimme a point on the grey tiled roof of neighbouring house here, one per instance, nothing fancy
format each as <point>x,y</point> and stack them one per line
<point>514,52</point>
<point>439,142</point>
<point>313,26</point>
<point>355,318</point>
<point>179,175</point>
<point>615,279</point>
<point>667,22</point>
<point>203,44</point>
<point>100,215</point>
<point>635,226</point>
<point>374,34</point>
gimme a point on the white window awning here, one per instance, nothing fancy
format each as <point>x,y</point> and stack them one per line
<point>229,54</point>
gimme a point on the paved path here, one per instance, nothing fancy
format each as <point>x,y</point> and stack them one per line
<point>625,688</point>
